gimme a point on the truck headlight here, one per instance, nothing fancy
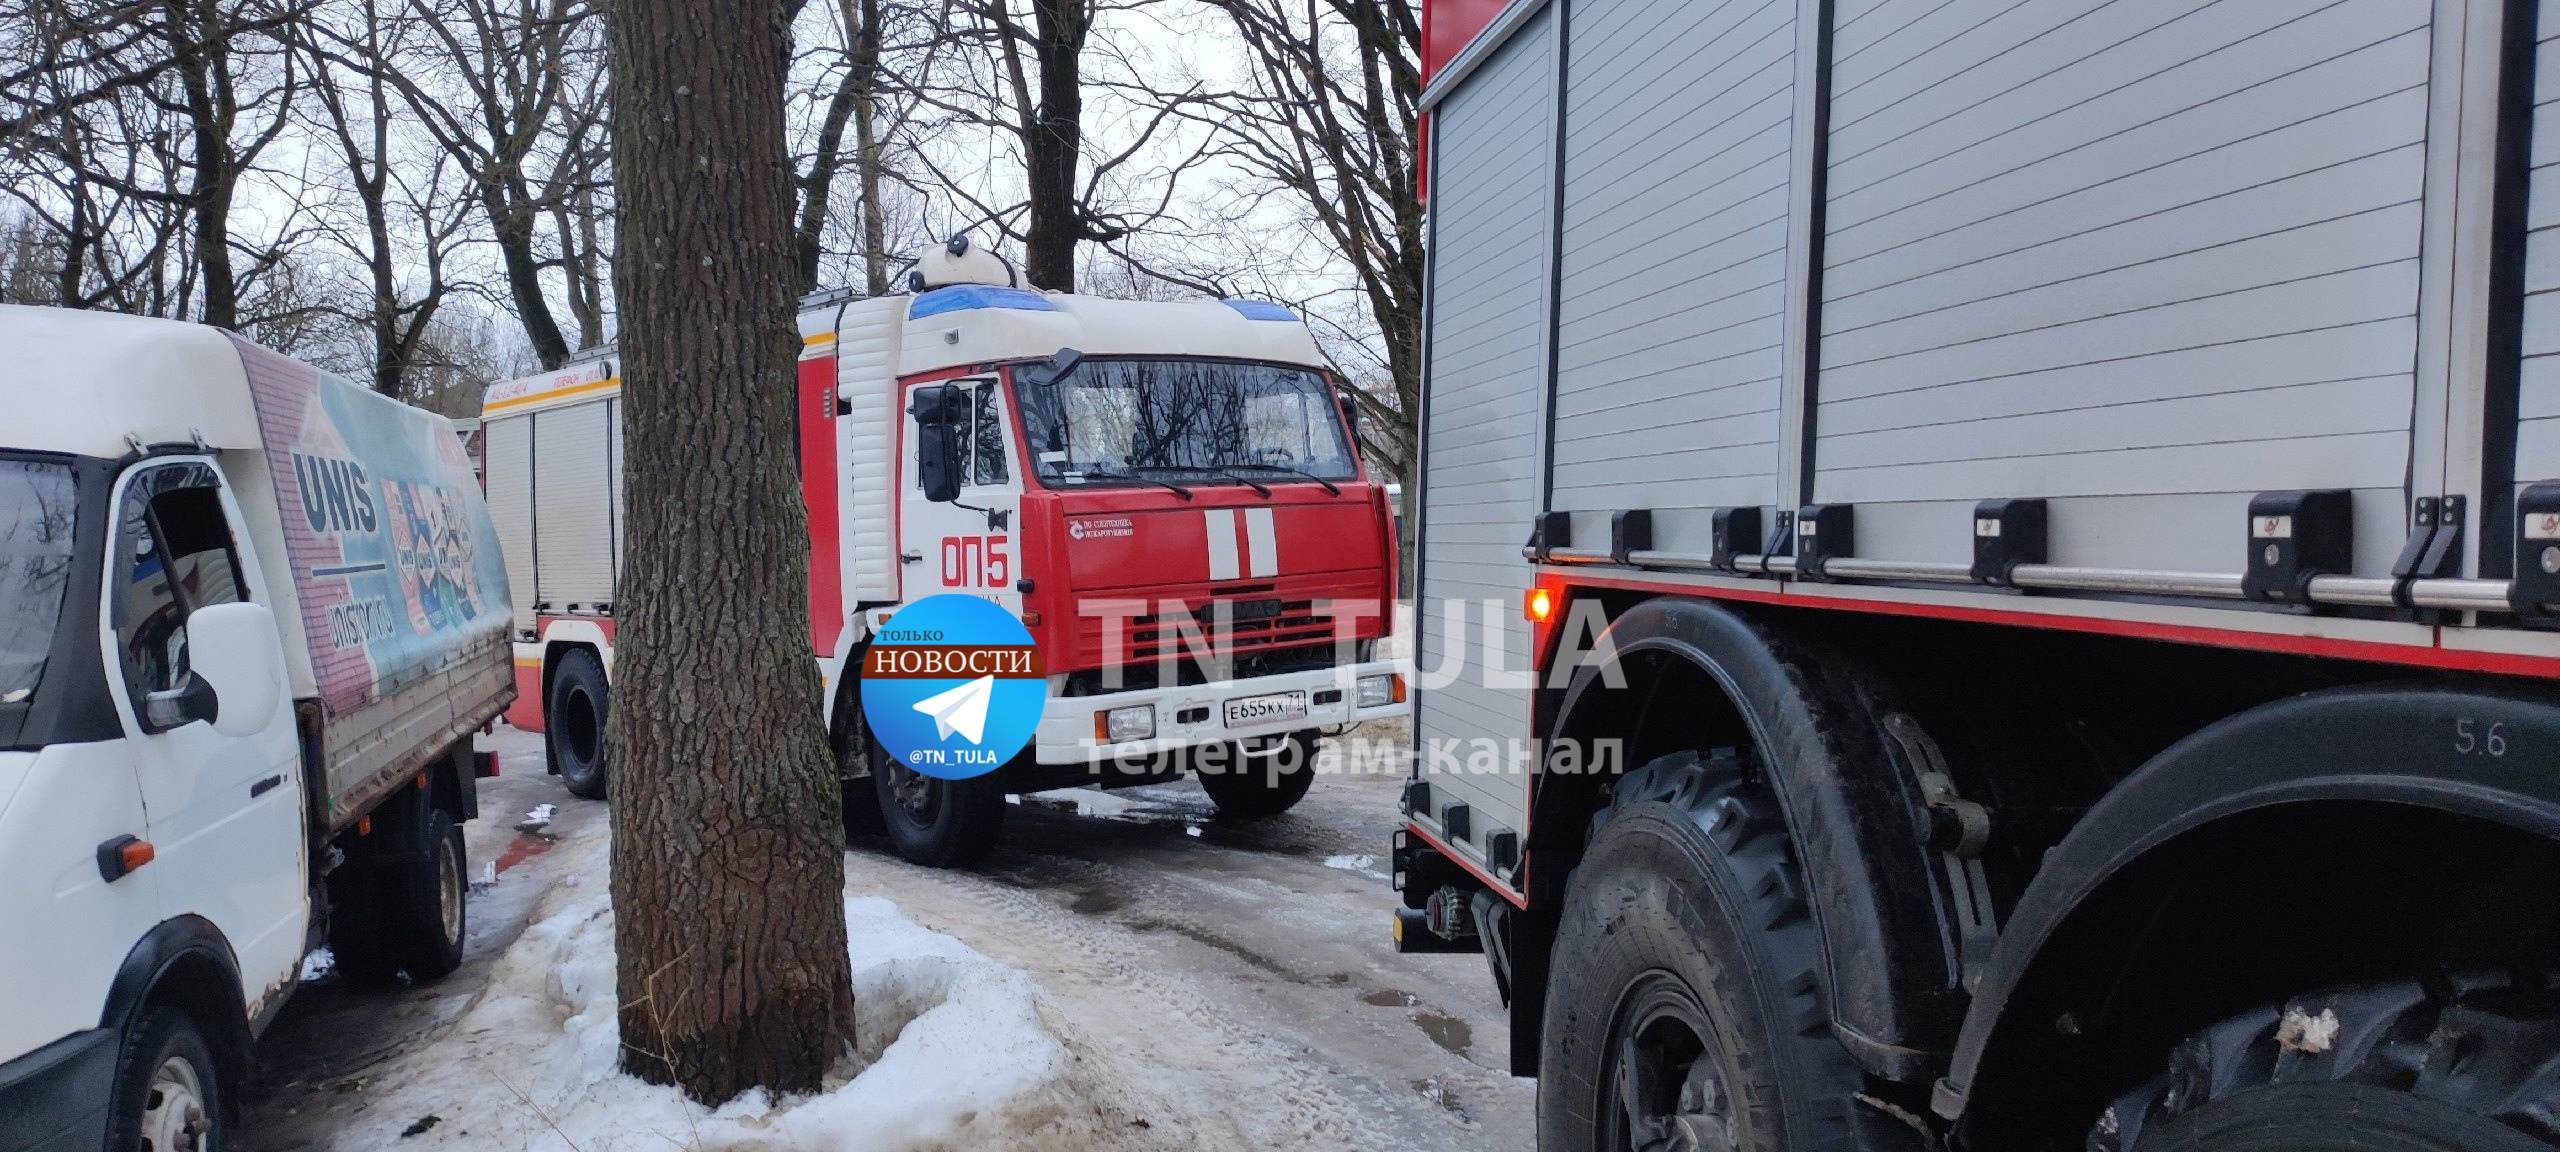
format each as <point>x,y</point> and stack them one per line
<point>1375,691</point>
<point>1135,722</point>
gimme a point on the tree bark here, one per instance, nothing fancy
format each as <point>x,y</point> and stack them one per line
<point>1055,144</point>
<point>728,866</point>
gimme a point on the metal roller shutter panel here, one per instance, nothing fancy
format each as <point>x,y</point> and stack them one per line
<point>573,505</point>
<point>507,457</point>
<point>1491,221</point>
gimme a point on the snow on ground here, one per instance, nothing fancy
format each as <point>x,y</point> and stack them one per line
<point>956,1052</point>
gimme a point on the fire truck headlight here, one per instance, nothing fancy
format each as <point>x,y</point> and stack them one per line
<point>1375,691</point>
<point>1135,722</point>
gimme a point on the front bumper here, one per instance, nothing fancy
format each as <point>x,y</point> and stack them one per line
<point>1067,726</point>
<point>55,1098</point>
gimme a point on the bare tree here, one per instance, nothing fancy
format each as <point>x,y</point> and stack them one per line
<point>409,220</point>
<point>167,104</point>
<point>1330,123</point>
<point>1024,74</point>
<point>513,91</point>
<point>855,104</point>
<point>728,857</point>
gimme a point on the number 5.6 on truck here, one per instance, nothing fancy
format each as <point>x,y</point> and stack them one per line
<point>250,616</point>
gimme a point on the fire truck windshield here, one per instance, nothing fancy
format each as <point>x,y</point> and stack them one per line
<point>1134,421</point>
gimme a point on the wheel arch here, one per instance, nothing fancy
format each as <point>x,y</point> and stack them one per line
<point>2371,801</point>
<point>1816,718</point>
<point>186,963</point>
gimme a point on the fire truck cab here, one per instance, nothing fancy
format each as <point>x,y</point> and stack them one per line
<point>1168,495</point>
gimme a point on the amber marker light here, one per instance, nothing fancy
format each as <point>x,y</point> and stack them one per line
<point>1539,606</point>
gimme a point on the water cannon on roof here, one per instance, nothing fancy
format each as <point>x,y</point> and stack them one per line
<point>962,261</point>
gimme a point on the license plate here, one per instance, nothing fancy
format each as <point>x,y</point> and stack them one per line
<point>1251,710</point>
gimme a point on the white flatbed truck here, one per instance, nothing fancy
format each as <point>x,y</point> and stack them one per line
<point>250,617</point>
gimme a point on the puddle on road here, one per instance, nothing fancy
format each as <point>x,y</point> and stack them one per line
<point>1444,1030</point>
<point>525,846</point>
<point>1095,903</point>
<point>1390,998</point>
<point>1438,1093</point>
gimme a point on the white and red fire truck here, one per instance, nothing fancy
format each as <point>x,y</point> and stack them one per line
<point>1166,493</point>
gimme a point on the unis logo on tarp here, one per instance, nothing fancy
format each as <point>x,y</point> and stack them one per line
<point>952,686</point>
<point>337,495</point>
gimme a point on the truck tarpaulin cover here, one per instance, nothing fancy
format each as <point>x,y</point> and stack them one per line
<point>393,554</point>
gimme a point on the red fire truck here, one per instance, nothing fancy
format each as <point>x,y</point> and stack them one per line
<point>2026,593</point>
<point>1166,493</point>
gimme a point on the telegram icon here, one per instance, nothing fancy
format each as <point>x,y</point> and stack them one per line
<point>952,686</point>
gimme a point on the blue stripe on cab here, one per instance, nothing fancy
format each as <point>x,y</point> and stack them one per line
<point>1261,310</point>
<point>965,297</point>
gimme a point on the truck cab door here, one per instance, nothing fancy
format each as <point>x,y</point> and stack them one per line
<point>225,813</point>
<point>966,545</point>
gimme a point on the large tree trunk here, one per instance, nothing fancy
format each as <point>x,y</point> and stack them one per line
<point>728,865</point>
<point>1056,144</point>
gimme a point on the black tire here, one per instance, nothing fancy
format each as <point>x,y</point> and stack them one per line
<point>409,915</point>
<point>573,723</point>
<point>933,822</point>
<point>430,904</point>
<point>2471,1066</point>
<point>150,1111</point>
<point>1686,990</point>
<point>1258,787</point>
<point>849,737</point>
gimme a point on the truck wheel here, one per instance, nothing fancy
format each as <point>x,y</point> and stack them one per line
<point>1256,787</point>
<point>850,739</point>
<point>408,915</point>
<point>2380,1068</point>
<point>937,823</point>
<point>429,901</point>
<point>573,723</point>
<point>1685,1008</point>
<point>168,1090</point>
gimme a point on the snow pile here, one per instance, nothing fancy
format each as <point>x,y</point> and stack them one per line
<point>953,1048</point>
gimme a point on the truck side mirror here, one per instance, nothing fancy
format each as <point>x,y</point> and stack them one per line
<point>937,409</point>
<point>232,649</point>
<point>1351,418</point>
<point>234,678</point>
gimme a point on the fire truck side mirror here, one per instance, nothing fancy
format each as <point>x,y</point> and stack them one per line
<point>937,409</point>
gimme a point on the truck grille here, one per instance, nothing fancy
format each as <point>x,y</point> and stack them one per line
<point>1269,629</point>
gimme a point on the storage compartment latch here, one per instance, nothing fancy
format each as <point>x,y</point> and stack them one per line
<point>1824,532</point>
<point>1734,532</point>
<point>2006,533</point>
<point>2294,536</point>
<point>2535,590</point>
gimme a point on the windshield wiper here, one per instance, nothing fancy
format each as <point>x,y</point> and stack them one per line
<point>1176,489</point>
<point>1328,484</point>
<point>1249,482</point>
<point>1221,470</point>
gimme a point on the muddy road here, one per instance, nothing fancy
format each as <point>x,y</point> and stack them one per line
<point>1242,973</point>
